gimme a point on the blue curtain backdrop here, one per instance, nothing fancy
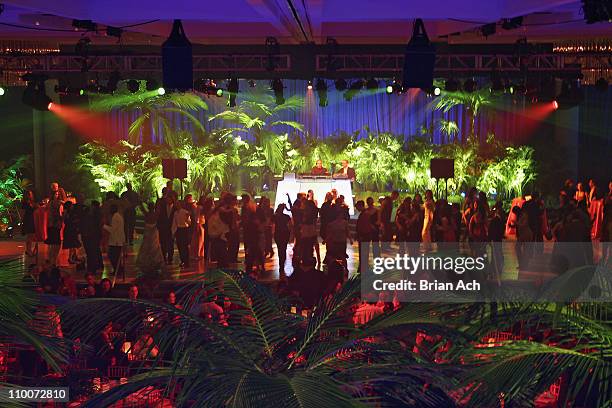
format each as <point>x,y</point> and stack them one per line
<point>401,115</point>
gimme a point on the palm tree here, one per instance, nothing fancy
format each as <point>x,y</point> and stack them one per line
<point>18,304</point>
<point>268,356</point>
<point>154,112</point>
<point>255,117</point>
<point>449,129</point>
<point>473,102</point>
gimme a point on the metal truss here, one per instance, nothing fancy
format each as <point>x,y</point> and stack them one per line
<point>297,66</point>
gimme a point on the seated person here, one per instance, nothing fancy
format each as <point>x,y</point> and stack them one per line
<point>318,169</point>
<point>345,171</point>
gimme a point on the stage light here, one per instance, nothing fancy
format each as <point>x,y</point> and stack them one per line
<point>233,88</point>
<point>113,80</point>
<point>278,88</point>
<point>252,83</point>
<point>340,84</point>
<point>1,91</point>
<point>437,91</point>
<point>50,106</point>
<point>81,92</point>
<point>512,23</point>
<point>469,85</point>
<point>152,84</point>
<point>219,92</point>
<point>322,92</point>
<point>555,105</point>
<point>451,85</point>
<point>133,85</point>
<point>35,94</point>
<point>161,91</point>
<point>372,84</point>
<point>497,85</point>
<point>114,31</point>
<point>389,89</point>
<point>86,25</point>
<point>309,86</point>
<point>601,85</point>
<point>353,90</point>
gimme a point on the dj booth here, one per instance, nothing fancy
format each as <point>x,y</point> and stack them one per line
<point>320,185</point>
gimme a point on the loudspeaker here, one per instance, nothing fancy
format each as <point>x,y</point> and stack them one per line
<point>419,59</point>
<point>177,60</point>
<point>174,169</point>
<point>442,168</point>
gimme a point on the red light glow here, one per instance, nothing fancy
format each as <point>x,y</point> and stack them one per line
<point>555,105</point>
<point>91,125</point>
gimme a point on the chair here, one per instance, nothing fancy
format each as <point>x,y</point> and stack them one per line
<point>118,372</point>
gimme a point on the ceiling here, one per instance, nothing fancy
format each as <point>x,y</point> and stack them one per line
<point>298,21</point>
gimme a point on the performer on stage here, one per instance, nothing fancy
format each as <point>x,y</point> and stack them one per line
<point>346,171</point>
<point>318,169</point>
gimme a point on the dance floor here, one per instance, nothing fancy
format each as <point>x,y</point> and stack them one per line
<point>15,249</point>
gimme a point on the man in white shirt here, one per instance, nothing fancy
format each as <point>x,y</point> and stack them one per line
<point>116,239</point>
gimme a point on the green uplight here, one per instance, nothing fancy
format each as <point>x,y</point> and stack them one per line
<point>161,91</point>
<point>389,89</point>
<point>511,89</point>
<point>437,91</point>
<point>81,92</point>
<point>1,91</point>
<point>219,92</point>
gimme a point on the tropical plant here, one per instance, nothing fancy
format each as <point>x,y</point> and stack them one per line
<point>114,166</point>
<point>510,173</point>
<point>380,159</point>
<point>417,176</point>
<point>449,129</point>
<point>18,305</point>
<point>12,185</point>
<point>154,113</point>
<point>256,118</point>
<point>268,356</point>
<point>473,102</point>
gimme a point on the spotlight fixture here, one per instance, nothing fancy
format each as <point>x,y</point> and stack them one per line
<point>340,84</point>
<point>397,87</point>
<point>252,83</point>
<point>2,91</point>
<point>233,88</point>
<point>437,91</point>
<point>68,90</point>
<point>86,25</point>
<point>278,88</point>
<point>273,49</point>
<point>601,84</point>
<point>451,85</point>
<point>389,89</point>
<point>152,84</point>
<point>35,94</point>
<point>161,91</point>
<point>309,86</point>
<point>488,29</point>
<point>597,10</point>
<point>113,80</point>
<point>512,23</point>
<point>497,84</point>
<point>114,31</point>
<point>555,105</point>
<point>133,85</point>
<point>353,90</point>
<point>469,85</point>
<point>372,84</point>
<point>208,87</point>
<point>322,92</point>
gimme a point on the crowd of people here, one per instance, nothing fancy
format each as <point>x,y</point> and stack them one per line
<point>212,230</point>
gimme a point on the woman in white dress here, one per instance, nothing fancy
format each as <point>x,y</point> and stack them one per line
<point>150,254</point>
<point>428,207</point>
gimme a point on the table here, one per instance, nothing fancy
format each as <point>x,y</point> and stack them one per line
<point>320,186</point>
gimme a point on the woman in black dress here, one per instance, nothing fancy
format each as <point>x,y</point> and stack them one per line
<point>71,232</point>
<point>28,205</point>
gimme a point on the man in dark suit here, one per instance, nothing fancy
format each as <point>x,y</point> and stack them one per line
<point>346,171</point>
<point>164,209</point>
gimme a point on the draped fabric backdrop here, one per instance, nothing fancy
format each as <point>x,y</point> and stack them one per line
<point>401,115</point>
